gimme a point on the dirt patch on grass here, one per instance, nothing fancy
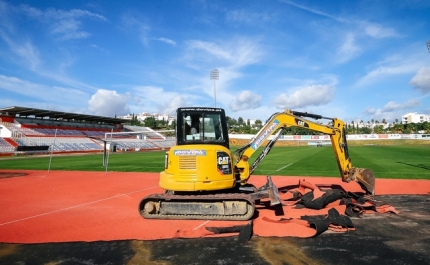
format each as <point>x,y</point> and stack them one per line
<point>4,175</point>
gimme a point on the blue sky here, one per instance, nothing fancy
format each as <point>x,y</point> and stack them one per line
<point>355,60</point>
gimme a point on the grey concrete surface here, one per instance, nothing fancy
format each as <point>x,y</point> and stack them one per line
<point>378,239</point>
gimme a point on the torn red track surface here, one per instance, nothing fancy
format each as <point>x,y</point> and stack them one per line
<point>68,206</point>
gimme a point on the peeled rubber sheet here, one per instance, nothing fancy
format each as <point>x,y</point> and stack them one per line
<point>71,206</point>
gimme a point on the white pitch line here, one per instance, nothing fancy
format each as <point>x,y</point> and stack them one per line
<point>76,206</point>
<point>285,166</point>
<point>201,225</point>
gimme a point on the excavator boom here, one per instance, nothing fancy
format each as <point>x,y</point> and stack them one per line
<point>279,121</point>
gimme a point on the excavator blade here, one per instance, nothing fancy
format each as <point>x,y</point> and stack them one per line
<point>366,179</point>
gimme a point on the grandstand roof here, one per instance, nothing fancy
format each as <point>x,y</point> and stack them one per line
<point>58,115</point>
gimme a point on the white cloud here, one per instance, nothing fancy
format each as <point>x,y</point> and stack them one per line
<point>25,50</point>
<point>377,31</point>
<point>392,110</point>
<point>229,56</point>
<point>379,115</point>
<point>421,80</point>
<point>41,92</point>
<point>5,17</point>
<point>387,70</point>
<point>313,11</point>
<point>262,113</point>
<point>243,16</point>
<point>27,54</point>
<point>392,105</point>
<point>108,103</point>
<point>157,99</point>
<point>314,95</point>
<point>348,50</point>
<point>73,13</point>
<point>237,52</point>
<point>136,26</point>
<point>210,48</point>
<point>245,100</point>
<point>166,40</point>
<point>65,24</point>
<point>68,29</point>
<point>172,105</point>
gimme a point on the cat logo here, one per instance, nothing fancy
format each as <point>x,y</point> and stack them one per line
<point>223,160</point>
<point>301,123</point>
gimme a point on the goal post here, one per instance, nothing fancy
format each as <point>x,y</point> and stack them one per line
<point>134,141</point>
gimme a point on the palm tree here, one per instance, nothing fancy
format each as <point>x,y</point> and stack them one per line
<point>426,126</point>
<point>411,127</point>
<point>240,120</point>
<point>258,124</point>
<point>150,122</point>
<point>397,128</point>
<point>379,129</point>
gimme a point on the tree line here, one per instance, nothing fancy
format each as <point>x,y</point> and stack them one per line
<point>395,128</point>
<point>241,126</point>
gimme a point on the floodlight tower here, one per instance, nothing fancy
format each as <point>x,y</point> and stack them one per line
<point>428,45</point>
<point>214,77</point>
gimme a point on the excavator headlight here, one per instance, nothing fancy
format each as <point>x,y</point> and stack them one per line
<point>166,160</point>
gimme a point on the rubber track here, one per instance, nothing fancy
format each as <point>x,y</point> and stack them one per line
<point>199,198</point>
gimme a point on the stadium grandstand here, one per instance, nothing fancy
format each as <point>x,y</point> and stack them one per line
<point>34,131</point>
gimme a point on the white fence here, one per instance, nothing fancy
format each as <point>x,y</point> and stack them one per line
<point>348,137</point>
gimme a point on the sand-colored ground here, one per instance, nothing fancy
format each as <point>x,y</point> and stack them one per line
<point>241,142</point>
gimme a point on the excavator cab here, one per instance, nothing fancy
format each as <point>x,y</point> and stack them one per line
<point>201,159</point>
<point>201,126</point>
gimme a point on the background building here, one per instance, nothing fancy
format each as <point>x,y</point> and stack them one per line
<point>415,118</point>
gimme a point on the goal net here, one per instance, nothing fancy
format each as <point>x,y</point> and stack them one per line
<point>145,139</point>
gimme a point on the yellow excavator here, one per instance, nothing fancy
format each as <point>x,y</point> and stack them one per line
<point>203,179</point>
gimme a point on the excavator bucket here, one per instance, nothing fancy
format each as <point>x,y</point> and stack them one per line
<point>269,190</point>
<point>273,193</point>
<point>365,178</point>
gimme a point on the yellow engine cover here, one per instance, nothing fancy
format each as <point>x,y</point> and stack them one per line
<point>200,167</point>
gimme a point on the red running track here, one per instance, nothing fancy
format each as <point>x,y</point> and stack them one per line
<point>70,206</point>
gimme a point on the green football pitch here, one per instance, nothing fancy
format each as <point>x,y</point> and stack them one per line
<point>407,162</point>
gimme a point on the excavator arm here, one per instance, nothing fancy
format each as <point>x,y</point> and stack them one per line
<point>281,120</point>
